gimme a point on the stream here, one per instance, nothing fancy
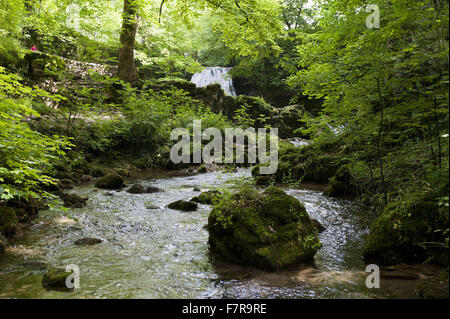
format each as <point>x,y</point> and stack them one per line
<point>163,253</point>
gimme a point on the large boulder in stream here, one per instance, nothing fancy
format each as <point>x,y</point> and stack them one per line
<point>269,230</point>
<point>409,230</point>
<point>111,181</point>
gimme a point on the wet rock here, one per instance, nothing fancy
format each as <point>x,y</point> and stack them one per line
<point>395,235</point>
<point>74,200</point>
<point>152,189</point>
<point>122,172</point>
<point>88,241</point>
<point>55,279</point>
<point>109,194</point>
<point>202,169</point>
<point>197,189</point>
<point>343,184</point>
<point>320,228</point>
<point>208,197</point>
<point>269,230</point>
<point>111,181</point>
<point>150,205</point>
<point>183,206</point>
<point>136,189</point>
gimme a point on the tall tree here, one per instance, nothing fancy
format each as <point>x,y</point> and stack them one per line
<point>127,68</point>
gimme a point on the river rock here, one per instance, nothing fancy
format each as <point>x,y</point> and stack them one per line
<point>320,228</point>
<point>269,230</point>
<point>207,197</point>
<point>153,189</point>
<point>74,200</point>
<point>183,206</point>
<point>88,241</point>
<point>197,189</point>
<point>55,279</point>
<point>136,189</point>
<point>396,234</point>
<point>202,169</point>
<point>111,181</point>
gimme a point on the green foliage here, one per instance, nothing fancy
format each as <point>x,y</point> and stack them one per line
<point>26,156</point>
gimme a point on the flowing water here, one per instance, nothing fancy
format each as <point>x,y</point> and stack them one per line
<point>163,253</point>
<point>215,75</point>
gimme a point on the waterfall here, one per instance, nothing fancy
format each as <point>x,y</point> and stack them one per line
<point>215,75</point>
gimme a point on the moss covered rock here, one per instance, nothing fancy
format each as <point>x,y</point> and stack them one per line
<point>202,169</point>
<point>398,234</point>
<point>55,279</point>
<point>136,189</point>
<point>183,205</point>
<point>111,181</point>
<point>269,230</point>
<point>74,200</point>
<point>342,184</point>
<point>208,197</point>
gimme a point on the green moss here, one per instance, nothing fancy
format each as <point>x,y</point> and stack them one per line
<point>208,197</point>
<point>269,230</point>
<point>202,169</point>
<point>342,184</point>
<point>56,279</point>
<point>111,181</point>
<point>398,234</point>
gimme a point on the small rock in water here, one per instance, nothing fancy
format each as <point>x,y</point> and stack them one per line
<point>74,201</point>
<point>55,279</point>
<point>183,206</point>
<point>88,241</point>
<point>109,194</point>
<point>197,189</point>
<point>136,189</point>
<point>202,169</point>
<point>153,189</point>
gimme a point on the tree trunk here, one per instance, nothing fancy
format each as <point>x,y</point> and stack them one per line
<point>127,68</point>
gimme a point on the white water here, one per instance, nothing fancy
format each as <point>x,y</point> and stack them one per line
<point>215,75</point>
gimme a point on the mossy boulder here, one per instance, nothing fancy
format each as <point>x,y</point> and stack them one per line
<point>320,228</point>
<point>269,230</point>
<point>342,184</point>
<point>111,181</point>
<point>8,222</point>
<point>153,189</point>
<point>97,171</point>
<point>208,197</point>
<point>183,205</point>
<point>74,200</point>
<point>87,241</point>
<point>55,279</point>
<point>399,233</point>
